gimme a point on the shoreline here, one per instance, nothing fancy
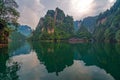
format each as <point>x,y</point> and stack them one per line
<point>72,41</point>
<point>3,45</point>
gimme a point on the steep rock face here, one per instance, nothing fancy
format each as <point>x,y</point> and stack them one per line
<point>108,26</point>
<point>105,26</point>
<point>55,25</point>
<point>89,23</point>
<point>77,25</point>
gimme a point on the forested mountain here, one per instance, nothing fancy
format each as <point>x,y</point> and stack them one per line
<point>89,23</point>
<point>54,26</point>
<point>22,33</point>
<point>83,33</point>
<point>103,27</point>
<point>108,25</point>
<point>25,30</point>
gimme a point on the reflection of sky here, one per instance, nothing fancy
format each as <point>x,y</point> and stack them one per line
<point>31,69</point>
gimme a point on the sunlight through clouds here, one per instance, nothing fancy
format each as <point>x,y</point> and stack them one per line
<point>32,10</point>
<point>81,5</point>
<point>111,1</point>
<point>80,8</point>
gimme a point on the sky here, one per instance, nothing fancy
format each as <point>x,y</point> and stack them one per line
<point>32,10</point>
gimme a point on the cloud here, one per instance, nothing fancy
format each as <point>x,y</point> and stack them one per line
<point>80,9</point>
<point>102,5</point>
<point>30,12</point>
<point>78,71</point>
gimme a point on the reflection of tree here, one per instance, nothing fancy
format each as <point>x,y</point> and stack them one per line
<point>105,56</point>
<point>7,72</point>
<point>54,56</point>
<point>57,56</point>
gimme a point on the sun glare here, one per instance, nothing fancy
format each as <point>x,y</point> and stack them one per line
<point>111,1</point>
<point>81,5</point>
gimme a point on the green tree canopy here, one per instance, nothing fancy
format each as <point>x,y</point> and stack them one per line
<point>8,10</point>
<point>117,35</point>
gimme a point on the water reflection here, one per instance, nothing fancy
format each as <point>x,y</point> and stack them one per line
<point>8,69</point>
<point>79,71</point>
<point>54,56</point>
<point>18,48</point>
<point>105,56</point>
<point>62,61</point>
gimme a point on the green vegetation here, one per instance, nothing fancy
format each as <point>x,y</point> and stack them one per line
<point>8,10</point>
<point>8,14</point>
<point>117,36</point>
<point>83,33</point>
<point>4,32</point>
<point>8,71</point>
<point>54,26</point>
<point>108,26</point>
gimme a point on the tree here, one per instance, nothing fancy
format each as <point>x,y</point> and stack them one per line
<point>83,33</point>
<point>117,37</point>
<point>8,11</point>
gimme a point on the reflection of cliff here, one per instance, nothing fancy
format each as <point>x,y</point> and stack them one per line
<point>18,48</point>
<point>57,56</point>
<point>105,56</point>
<point>7,72</point>
<point>54,56</point>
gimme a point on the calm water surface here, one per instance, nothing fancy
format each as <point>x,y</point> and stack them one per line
<point>60,61</point>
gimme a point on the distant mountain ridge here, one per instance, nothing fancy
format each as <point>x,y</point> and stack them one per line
<point>88,22</point>
<point>21,33</point>
<point>105,26</point>
<point>25,30</point>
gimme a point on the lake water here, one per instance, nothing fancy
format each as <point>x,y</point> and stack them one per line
<point>60,61</point>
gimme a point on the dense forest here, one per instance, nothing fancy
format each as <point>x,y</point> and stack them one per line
<point>54,26</point>
<point>8,15</point>
<point>108,25</point>
<point>103,27</point>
